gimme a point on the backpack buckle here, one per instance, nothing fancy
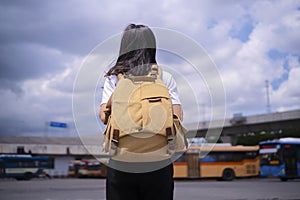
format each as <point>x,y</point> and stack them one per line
<point>115,137</point>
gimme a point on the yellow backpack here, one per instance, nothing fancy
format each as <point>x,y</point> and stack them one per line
<point>141,126</point>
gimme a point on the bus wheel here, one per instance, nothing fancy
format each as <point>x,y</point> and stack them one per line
<point>283,179</point>
<point>228,175</point>
<point>27,176</point>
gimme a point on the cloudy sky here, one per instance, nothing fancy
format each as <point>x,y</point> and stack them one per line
<point>44,43</point>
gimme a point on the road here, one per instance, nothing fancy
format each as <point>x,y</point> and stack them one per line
<point>94,189</point>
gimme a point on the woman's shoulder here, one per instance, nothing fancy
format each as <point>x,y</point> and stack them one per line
<point>166,77</point>
<point>112,78</point>
<point>111,81</point>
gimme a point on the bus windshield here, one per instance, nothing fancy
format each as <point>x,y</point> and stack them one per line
<point>269,154</point>
<point>269,159</point>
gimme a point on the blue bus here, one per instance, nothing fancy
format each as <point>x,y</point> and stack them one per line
<point>24,167</point>
<point>280,158</point>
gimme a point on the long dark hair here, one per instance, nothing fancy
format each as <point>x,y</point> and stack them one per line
<point>137,51</point>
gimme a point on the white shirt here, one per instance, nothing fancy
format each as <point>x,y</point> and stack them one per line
<point>111,82</point>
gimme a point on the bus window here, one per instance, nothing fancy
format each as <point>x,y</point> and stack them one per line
<point>298,155</point>
<point>238,156</point>
<point>226,156</point>
<point>208,158</point>
<point>251,155</point>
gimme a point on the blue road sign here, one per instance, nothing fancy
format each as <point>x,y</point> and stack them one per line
<point>58,124</point>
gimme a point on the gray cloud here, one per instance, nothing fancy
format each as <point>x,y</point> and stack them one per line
<point>43,43</point>
<point>50,23</point>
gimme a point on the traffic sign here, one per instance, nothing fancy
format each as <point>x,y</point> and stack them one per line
<point>58,124</point>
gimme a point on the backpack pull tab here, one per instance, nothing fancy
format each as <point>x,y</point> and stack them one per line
<point>114,142</point>
<point>115,137</point>
<point>171,141</point>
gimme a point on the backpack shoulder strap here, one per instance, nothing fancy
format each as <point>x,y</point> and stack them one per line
<point>120,76</point>
<point>156,71</point>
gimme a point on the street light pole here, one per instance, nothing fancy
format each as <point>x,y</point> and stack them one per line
<point>268,97</point>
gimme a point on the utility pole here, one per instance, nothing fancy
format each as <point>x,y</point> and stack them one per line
<point>268,97</point>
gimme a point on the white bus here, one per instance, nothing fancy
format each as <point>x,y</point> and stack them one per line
<point>24,167</point>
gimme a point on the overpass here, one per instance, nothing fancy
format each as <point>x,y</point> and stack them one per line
<point>239,125</point>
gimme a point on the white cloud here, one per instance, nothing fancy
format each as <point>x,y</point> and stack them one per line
<point>41,52</point>
<point>288,94</point>
<point>247,65</point>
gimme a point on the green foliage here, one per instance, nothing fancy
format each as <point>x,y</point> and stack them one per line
<point>255,138</point>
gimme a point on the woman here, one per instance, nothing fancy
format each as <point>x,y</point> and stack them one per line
<point>136,56</point>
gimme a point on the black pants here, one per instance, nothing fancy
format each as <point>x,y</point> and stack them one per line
<point>155,185</point>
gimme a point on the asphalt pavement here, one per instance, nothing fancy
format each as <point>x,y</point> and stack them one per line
<point>94,189</point>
